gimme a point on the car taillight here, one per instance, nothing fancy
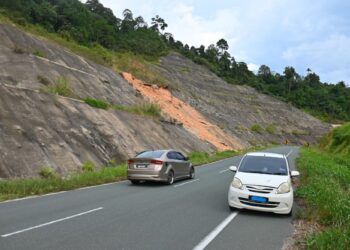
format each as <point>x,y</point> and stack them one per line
<point>130,161</point>
<point>156,162</point>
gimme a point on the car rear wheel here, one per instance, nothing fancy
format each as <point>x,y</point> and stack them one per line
<point>135,182</point>
<point>192,173</point>
<point>170,179</point>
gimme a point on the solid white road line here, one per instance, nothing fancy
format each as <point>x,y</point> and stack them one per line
<point>223,171</point>
<point>211,236</point>
<point>179,185</point>
<point>51,222</point>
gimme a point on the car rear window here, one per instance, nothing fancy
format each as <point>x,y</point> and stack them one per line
<point>150,154</point>
<point>264,165</point>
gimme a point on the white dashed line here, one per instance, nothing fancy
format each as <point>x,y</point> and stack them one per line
<point>179,185</point>
<point>223,171</point>
<point>51,222</point>
<point>212,235</point>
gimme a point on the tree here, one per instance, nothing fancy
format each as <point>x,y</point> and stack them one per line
<point>158,23</point>
<point>222,45</point>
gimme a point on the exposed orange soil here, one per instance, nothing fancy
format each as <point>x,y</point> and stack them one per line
<point>192,120</point>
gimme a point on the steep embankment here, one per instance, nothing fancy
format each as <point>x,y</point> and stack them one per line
<point>40,129</point>
<point>184,113</point>
<point>240,111</point>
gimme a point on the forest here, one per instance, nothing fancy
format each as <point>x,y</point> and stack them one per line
<point>91,24</point>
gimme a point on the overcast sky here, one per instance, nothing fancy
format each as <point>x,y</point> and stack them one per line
<point>304,34</point>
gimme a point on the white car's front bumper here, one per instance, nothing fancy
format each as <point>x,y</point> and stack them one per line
<point>277,203</point>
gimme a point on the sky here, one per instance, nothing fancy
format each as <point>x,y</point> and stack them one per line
<point>304,34</point>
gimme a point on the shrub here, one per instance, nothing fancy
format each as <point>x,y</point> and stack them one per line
<point>271,129</point>
<point>100,104</point>
<point>43,80</point>
<point>257,128</point>
<point>88,166</point>
<point>61,87</point>
<point>39,53</point>
<point>47,173</point>
<point>151,109</point>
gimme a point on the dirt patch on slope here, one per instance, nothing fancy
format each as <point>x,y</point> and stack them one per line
<point>184,113</point>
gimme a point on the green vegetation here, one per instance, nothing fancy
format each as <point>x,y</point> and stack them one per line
<point>47,173</point>
<point>61,87</point>
<point>39,53</point>
<point>89,166</point>
<point>100,104</point>
<point>130,44</point>
<point>271,129</point>
<point>148,109</point>
<point>11,189</point>
<point>199,158</point>
<point>257,128</point>
<point>338,140</point>
<point>325,186</point>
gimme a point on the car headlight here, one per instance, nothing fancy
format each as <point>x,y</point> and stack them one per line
<point>283,188</point>
<point>236,183</point>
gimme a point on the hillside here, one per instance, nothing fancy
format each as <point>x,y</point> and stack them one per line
<point>41,129</point>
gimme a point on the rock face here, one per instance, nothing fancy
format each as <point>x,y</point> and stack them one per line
<point>238,109</point>
<point>38,129</point>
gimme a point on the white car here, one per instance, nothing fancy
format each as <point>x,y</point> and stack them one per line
<point>262,182</point>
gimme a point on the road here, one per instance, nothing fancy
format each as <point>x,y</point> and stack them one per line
<point>187,215</point>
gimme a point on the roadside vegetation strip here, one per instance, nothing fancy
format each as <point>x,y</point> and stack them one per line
<point>325,187</point>
<point>201,158</point>
<point>12,189</point>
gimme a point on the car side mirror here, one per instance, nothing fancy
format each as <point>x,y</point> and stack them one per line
<point>294,173</point>
<point>233,168</point>
<point>187,158</point>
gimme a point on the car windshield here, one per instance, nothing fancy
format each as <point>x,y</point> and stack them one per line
<point>263,165</point>
<point>150,154</point>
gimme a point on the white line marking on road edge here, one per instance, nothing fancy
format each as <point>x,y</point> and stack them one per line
<point>223,171</point>
<point>211,236</point>
<point>51,222</point>
<point>289,153</point>
<point>179,185</point>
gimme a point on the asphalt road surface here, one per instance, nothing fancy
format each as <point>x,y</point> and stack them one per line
<point>190,214</point>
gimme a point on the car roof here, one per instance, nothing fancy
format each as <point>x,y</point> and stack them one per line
<point>266,154</point>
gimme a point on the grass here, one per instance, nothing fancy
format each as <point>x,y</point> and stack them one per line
<point>39,53</point>
<point>96,103</point>
<point>147,109</point>
<point>325,186</point>
<point>257,128</point>
<point>338,140</point>
<point>200,158</point>
<point>12,189</point>
<point>61,87</point>
<point>271,129</point>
